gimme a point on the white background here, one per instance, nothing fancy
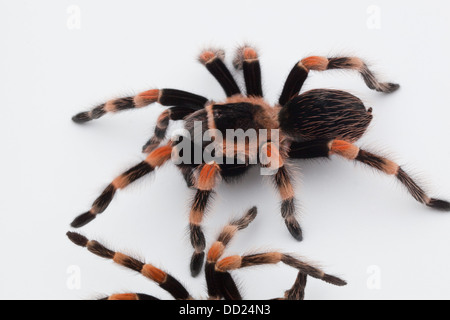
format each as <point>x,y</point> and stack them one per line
<point>353,218</point>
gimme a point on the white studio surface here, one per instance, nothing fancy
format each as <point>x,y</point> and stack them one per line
<point>62,57</point>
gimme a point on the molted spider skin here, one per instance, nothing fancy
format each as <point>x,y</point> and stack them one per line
<point>315,124</point>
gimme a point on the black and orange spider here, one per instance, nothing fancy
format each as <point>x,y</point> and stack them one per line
<point>317,123</point>
<point>220,283</point>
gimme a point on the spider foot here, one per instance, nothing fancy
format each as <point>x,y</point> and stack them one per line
<point>334,280</point>
<point>294,228</point>
<point>197,263</point>
<point>82,117</point>
<point>83,220</point>
<point>388,87</point>
<point>439,204</point>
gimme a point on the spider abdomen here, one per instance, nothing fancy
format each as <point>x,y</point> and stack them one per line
<point>325,114</point>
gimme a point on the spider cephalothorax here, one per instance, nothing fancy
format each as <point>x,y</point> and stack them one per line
<point>317,123</point>
<point>220,282</point>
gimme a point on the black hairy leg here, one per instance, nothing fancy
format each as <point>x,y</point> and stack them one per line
<point>218,270</point>
<point>288,208</point>
<point>300,71</point>
<point>297,292</point>
<point>352,152</point>
<point>209,173</point>
<point>155,159</point>
<point>258,259</point>
<point>183,104</point>
<point>165,97</point>
<point>213,61</point>
<point>247,59</point>
<point>326,148</point>
<point>310,149</point>
<point>163,279</point>
<point>221,284</point>
<point>160,132</point>
<point>283,183</point>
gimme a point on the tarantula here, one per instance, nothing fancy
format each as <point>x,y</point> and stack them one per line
<point>317,123</point>
<point>220,283</point>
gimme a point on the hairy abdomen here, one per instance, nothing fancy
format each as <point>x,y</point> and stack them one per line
<point>325,114</point>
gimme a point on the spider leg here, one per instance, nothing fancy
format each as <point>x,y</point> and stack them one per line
<point>130,297</point>
<point>155,159</point>
<point>222,284</point>
<point>297,292</point>
<point>310,149</point>
<point>288,209</point>
<point>160,132</point>
<point>165,97</point>
<point>212,59</point>
<point>183,105</point>
<point>325,148</point>
<point>300,71</point>
<point>268,258</point>
<point>164,280</point>
<point>171,114</point>
<point>247,59</point>
<point>205,185</point>
<point>282,181</point>
<point>352,152</point>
